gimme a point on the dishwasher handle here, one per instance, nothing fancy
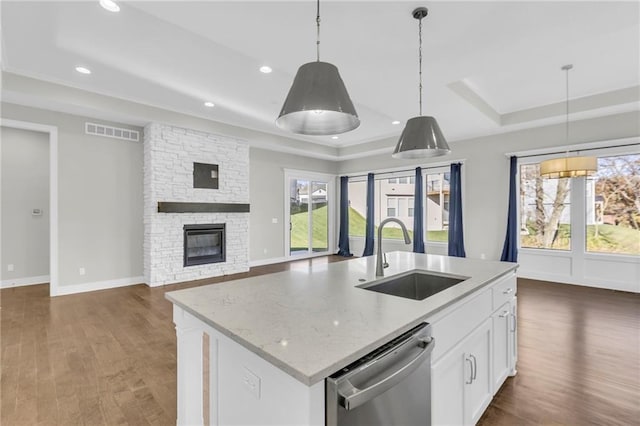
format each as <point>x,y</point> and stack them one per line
<point>352,397</point>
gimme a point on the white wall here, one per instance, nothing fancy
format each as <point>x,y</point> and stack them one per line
<point>25,186</point>
<point>267,198</point>
<point>100,202</point>
<point>485,172</point>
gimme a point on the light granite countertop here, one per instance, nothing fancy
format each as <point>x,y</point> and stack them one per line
<point>313,320</point>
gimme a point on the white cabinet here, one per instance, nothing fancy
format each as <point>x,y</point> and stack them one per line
<point>505,345</point>
<point>476,350</point>
<point>501,345</point>
<point>513,336</point>
<point>461,380</point>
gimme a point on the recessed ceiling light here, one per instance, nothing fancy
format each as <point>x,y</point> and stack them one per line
<point>209,104</point>
<point>83,70</point>
<point>395,122</point>
<point>334,137</point>
<point>265,69</point>
<point>110,5</point>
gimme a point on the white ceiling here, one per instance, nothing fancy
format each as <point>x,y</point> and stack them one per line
<point>177,54</point>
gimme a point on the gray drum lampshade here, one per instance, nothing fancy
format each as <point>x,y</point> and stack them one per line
<point>318,102</point>
<point>421,138</point>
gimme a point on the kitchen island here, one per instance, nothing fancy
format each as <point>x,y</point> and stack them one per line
<point>270,341</point>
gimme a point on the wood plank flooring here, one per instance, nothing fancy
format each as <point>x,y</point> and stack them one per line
<point>108,357</point>
<point>579,359</point>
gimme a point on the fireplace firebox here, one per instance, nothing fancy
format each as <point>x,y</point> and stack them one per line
<point>204,244</point>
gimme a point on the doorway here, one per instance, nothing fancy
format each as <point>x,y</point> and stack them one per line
<point>309,214</point>
<point>41,214</point>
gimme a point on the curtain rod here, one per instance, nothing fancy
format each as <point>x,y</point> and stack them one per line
<point>401,171</point>
<point>577,150</point>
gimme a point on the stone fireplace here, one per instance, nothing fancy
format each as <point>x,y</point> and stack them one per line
<point>181,241</point>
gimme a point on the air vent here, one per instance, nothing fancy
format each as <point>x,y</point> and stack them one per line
<point>111,132</point>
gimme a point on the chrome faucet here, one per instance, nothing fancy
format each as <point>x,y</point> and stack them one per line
<point>380,265</point>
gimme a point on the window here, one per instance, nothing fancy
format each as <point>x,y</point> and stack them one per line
<point>545,210</point>
<point>391,207</point>
<point>394,197</point>
<point>391,200</point>
<point>612,206</point>
<point>357,208</point>
<point>437,207</point>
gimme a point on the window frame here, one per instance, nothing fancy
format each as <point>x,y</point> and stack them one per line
<point>391,176</point>
<point>578,251</point>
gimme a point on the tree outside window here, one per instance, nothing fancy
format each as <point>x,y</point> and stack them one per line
<point>613,206</point>
<point>545,210</point>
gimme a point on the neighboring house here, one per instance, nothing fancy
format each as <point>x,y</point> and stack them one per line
<point>396,199</point>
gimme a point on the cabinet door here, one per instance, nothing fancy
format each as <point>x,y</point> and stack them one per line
<point>502,346</point>
<point>478,393</point>
<point>513,336</point>
<point>447,388</point>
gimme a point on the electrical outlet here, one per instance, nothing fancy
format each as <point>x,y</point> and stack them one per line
<point>483,256</point>
<point>10,267</point>
<point>82,271</point>
<point>251,382</point>
<point>265,251</point>
<point>274,220</point>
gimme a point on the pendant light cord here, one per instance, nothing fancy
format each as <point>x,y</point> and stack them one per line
<point>420,60</point>
<point>318,35</point>
<point>567,107</point>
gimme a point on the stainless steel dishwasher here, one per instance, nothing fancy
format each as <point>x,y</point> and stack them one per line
<point>389,386</point>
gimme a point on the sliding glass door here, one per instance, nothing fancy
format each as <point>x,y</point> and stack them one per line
<point>309,208</point>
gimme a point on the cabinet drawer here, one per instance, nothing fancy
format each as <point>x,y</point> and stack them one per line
<point>504,291</point>
<point>451,329</point>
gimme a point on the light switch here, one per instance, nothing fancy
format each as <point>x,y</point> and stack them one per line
<point>82,271</point>
<point>274,220</point>
<point>10,267</point>
<point>251,382</point>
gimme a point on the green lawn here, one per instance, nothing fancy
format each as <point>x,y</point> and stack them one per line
<point>611,239</point>
<point>357,225</point>
<point>300,230</point>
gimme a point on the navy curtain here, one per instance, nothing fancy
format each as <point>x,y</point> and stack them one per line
<point>456,237</point>
<point>368,239</point>
<point>418,216</point>
<point>343,243</point>
<point>510,249</point>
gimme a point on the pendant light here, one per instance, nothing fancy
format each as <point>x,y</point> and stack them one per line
<point>318,102</point>
<point>421,136</point>
<point>568,167</point>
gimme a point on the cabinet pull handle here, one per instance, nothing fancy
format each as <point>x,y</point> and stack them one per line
<point>475,367</point>
<point>504,314</point>
<point>470,371</point>
<point>507,291</point>
<point>515,323</point>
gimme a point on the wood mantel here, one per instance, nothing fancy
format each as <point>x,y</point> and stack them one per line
<point>179,207</point>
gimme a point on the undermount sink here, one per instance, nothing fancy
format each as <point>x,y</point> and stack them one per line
<point>416,285</point>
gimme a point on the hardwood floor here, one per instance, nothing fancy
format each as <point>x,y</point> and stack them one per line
<point>579,358</point>
<point>108,357</point>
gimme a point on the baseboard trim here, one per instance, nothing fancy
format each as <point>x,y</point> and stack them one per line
<point>20,282</point>
<point>563,279</point>
<point>98,285</point>
<point>269,261</point>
